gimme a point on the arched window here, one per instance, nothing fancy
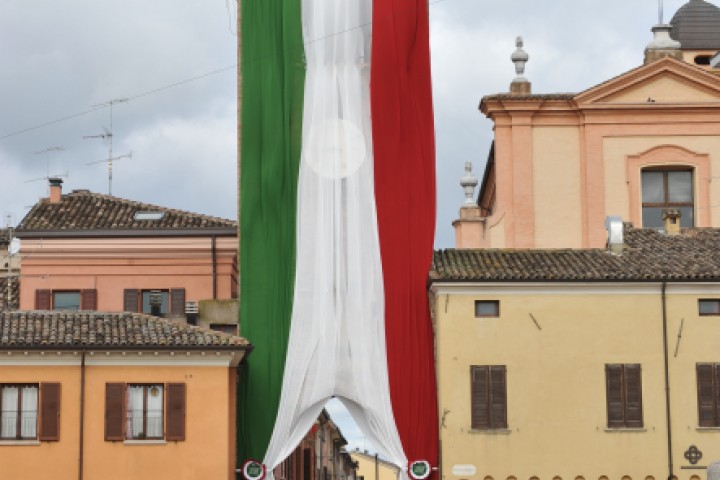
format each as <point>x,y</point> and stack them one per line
<point>667,188</point>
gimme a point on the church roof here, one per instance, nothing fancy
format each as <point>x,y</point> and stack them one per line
<point>697,26</point>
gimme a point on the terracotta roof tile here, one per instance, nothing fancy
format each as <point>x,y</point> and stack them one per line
<point>649,256</point>
<point>84,210</point>
<point>98,330</point>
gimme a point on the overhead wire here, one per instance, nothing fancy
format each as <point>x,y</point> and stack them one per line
<point>185,81</point>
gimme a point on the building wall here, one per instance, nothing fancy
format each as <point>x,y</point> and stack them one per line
<point>371,469</point>
<point>556,391</point>
<point>563,165</point>
<point>207,452</point>
<point>111,265</point>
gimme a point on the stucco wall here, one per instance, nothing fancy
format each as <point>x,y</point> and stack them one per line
<point>207,452</point>
<point>556,380</point>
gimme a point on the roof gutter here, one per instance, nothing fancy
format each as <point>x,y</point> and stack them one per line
<point>174,232</point>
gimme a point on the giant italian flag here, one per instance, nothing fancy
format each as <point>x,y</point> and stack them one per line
<point>337,215</point>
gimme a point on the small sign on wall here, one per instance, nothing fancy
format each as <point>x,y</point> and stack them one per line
<point>464,470</point>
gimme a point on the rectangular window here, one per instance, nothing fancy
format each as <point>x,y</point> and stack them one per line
<point>66,300</point>
<point>158,302</point>
<point>708,385</point>
<point>19,412</point>
<point>667,189</point>
<point>488,397</point>
<point>624,395</point>
<point>157,299</point>
<point>709,307</point>
<point>487,308</point>
<point>144,412</point>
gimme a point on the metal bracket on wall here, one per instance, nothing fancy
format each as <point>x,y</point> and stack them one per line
<point>535,321</point>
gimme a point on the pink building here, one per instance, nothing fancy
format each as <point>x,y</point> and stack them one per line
<point>89,251</point>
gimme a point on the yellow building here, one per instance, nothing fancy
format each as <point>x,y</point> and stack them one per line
<point>555,364</point>
<point>372,467</point>
<point>111,396</point>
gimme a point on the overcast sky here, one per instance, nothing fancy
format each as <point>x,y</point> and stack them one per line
<point>61,58</point>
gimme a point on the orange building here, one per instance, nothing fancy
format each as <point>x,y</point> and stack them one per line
<point>88,395</point>
<point>631,146</point>
<point>90,251</point>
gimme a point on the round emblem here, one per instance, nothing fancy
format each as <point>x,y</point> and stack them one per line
<point>253,470</point>
<point>419,469</point>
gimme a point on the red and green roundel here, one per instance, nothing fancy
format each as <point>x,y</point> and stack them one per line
<point>253,470</point>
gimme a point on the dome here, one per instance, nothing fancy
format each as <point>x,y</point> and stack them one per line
<point>697,26</point>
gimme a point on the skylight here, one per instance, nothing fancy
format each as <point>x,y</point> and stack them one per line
<point>149,215</point>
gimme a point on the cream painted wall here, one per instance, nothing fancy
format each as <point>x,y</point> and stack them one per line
<point>556,174</point>
<point>207,452</point>
<point>673,89</point>
<point>366,467</point>
<point>617,148</point>
<point>556,379</point>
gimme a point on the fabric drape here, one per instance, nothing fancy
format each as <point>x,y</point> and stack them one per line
<point>337,344</point>
<point>154,412</point>
<point>272,86</point>
<point>135,407</point>
<point>403,136</point>
<point>28,410</point>
<point>9,412</point>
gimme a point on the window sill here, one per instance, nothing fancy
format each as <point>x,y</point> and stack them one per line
<point>144,442</point>
<point>494,431</point>
<point>19,442</point>
<point>625,430</point>
<point>708,429</point>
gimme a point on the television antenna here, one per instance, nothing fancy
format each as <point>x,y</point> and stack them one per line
<point>108,137</point>
<point>47,162</point>
<point>48,177</point>
<point>660,12</point>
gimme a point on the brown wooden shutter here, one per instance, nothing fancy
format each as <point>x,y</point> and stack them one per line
<point>88,299</point>
<point>480,397</point>
<point>615,396</point>
<point>177,301</point>
<point>633,396</point>
<point>114,411</point>
<point>175,412</point>
<point>707,401</point>
<point>49,412</point>
<point>498,397</point>
<point>130,300</point>
<point>717,395</point>
<point>42,300</point>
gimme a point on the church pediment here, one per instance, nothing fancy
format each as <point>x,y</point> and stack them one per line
<point>666,81</point>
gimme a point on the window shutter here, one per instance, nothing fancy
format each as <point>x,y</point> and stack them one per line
<point>175,412</point>
<point>130,300</point>
<point>615,396</point>
<point>49,412</point>
<point>498,398</point>
<point>42,299</point>
<point>707,404</point>
<point>177,301</point>
<point>88,299</point>
<point>114,411</point>
<point>717,395</point>
<point>633,396</point>
<point>480,397</point>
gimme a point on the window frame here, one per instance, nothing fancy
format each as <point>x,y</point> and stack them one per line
<point>494,303</point>
<point>627,422</point>
<point>666,170</point>
<point>129,435</point>
<point>715,301</point>
<point>19,412</point>
<point>715,394</point>
<point>489,421</point>
<point>53,302</point>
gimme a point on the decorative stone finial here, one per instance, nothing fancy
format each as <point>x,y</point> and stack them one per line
<point>469,182</point>
<point>521,85</point>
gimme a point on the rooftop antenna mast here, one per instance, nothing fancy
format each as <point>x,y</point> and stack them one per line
<point>47,163</point>
<point>108,135</point>
<point>660,12</point>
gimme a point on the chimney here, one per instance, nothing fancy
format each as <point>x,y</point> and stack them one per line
<point>521,85</point>
<point>662,45</point>
<point>469,227</point>
<point>55,190</point>
<point>615,228</point>
<point>671,220</point>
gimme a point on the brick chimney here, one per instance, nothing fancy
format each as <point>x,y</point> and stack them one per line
<point>671,220</point>
<point>55,190</point>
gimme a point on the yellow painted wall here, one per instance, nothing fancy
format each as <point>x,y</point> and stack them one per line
<point>557,197</point>
<point>617,148</point>
<point>366,467</point>
<point>556,381</point>
<point>207,451</point>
